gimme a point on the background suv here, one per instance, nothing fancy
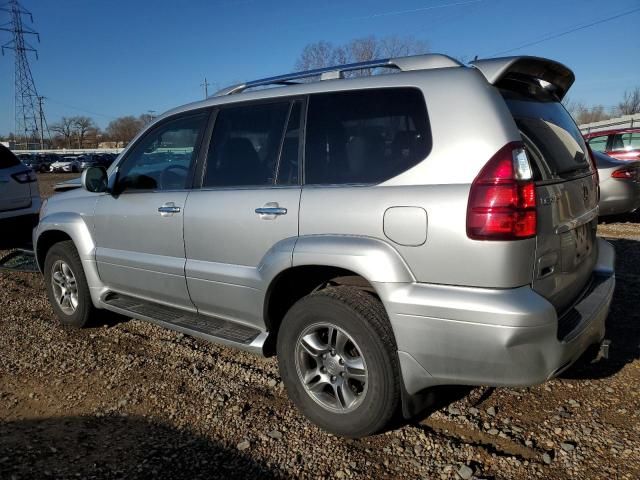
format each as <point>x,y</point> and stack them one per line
<point>346,226</point>
<point>19,195</point>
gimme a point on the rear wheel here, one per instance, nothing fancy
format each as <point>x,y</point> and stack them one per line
<point>67,286</point>
<point>338,360</point>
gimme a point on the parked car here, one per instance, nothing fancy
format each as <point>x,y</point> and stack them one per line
<point>622,143</point>
<point>40,163</point>
<point>619,184</point>
<point>19,194</point>
<point>345,225</point>
<point>66,164</point>
<point>86,161</point>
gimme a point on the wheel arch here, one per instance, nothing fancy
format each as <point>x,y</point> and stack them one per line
<point>321,260</point>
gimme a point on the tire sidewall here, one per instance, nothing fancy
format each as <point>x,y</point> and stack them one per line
<point>371,414</point>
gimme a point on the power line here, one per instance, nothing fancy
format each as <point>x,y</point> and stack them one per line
<point>567,32</point>
<point>416,10</point>
<point>83,110</point>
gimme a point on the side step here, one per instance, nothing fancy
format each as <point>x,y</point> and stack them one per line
<point>213,329</point>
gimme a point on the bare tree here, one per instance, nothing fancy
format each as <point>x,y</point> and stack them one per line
<point>123,129</point>
<point>65,128</point>
<point>324,54</point>
<point>631,102</point>
<point>82,125</point>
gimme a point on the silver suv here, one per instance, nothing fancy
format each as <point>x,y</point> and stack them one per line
<point>381,234</point>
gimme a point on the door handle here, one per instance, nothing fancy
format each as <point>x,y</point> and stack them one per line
<point>168,208</point>
<point>270,211</point>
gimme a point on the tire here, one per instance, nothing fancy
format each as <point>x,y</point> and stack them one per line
<point>362,318</point>
<point>78,315</point>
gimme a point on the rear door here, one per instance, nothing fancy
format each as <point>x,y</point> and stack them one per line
<point>566,188</point>
<point>14,193</point>
<point>243,222</point>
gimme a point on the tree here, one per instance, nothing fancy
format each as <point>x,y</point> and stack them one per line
<point>65,129</point>
<point>82,125</point>
<point>631,102</point>
<point>123,129</point>
<point>325,54</point>
<point>583,114</point>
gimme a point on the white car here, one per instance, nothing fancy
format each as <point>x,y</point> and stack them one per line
<point>66,164</point>
<point>19,194</point>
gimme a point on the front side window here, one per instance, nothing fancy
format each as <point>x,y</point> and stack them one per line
<point>598,144</point>
<point>245,145</point>
<point>163,159</point>
<point>365,136</point>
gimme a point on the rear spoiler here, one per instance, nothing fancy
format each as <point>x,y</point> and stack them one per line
<point>559,76</point>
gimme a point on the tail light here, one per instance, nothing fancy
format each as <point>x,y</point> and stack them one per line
<point>502,200</point>
<point>626,173</point>
<point>27,176</point>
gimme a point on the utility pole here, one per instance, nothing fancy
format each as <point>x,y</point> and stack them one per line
<point>26,95</point>
<point>41,111</point>
<point>206,88</point>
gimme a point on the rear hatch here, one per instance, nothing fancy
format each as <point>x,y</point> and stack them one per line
<point>565,178</point>
<point>566,192</point>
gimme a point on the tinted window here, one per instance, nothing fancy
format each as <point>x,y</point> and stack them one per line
<point>7,158</point>
<point>245,145</point>
<point>365,136</point>
<point>290,153</point>
<point>164,158</point>
<point>598,144</point>
<point>561,150</point>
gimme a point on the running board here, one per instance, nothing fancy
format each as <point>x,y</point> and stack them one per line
<point>212,329</point>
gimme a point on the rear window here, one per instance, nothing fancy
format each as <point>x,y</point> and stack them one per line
<point>551,135</point>
<point>365,136</point>
<point>7,158</point>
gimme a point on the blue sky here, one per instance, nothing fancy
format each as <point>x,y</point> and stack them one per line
<point>110,58</point>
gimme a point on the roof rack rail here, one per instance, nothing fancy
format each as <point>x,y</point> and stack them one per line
<point>414,62</point>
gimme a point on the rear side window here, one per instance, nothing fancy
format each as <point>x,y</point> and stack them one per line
<point>365,136</point>
<point>7,158</point>
<point>558,146</point>
<point>245,145</point>
<point>598,144</point>
<point>626,141</point>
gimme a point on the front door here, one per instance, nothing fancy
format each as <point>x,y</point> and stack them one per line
<point>139,228</point>
<point>244,219</point>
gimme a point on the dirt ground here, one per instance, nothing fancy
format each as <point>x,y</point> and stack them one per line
<point>127,399</point>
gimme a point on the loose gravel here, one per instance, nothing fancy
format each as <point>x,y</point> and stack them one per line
<point>127,399</point>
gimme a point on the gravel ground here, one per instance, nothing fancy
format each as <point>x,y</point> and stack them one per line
<point>131,400</point>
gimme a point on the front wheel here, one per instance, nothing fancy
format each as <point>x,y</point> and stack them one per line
<point>338,360</point>
<point>67,285</point>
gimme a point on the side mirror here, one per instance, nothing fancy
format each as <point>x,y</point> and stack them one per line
<point>94,179</point>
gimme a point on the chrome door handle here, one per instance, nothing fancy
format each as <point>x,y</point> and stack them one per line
<point>271,211</point>
<point>168,208</point>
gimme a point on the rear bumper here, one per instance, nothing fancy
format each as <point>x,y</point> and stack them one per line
<point>497,337</point>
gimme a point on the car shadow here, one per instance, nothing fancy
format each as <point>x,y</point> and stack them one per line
<point>118,447</point>
<point>632,217</point>
<point>16,232</point>
<point>623,322</point>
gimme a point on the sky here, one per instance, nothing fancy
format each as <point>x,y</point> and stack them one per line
<point>105,59</point>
